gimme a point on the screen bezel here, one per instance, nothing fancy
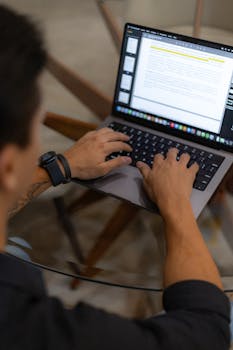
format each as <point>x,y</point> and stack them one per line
<point>156,126</point>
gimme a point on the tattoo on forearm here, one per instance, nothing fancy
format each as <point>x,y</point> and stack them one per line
<point>34,190</point>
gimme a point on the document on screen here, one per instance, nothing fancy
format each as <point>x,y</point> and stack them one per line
<point>182,84</point>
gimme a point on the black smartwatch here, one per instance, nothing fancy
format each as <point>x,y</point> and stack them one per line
<point>49,162</point>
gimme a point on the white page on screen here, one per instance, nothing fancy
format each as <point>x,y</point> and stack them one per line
<point>182,84</point>
<point>132,45</point>
<point>123,97</point>
<point>126,82</point>
<point>129,64</point>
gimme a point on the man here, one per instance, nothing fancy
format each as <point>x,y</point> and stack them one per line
<point>197,311</point>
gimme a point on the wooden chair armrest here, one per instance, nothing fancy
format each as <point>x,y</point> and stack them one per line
<point>69,127</point>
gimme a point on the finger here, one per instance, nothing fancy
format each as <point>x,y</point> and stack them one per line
<point>147,188</point>
<point>144,169</point>
<point>115,136</point>
<point>114,163</point>
<point>184,159</point>
<point>105,130</point>
<point>111,147</point>
<point>158,159</point>
<point>194,168</point>
<point>172,154</point>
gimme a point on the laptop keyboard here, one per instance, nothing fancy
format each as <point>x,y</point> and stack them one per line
<point>146,145</point>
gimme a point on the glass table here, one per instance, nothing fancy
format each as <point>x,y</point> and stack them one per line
<point>56,241</point>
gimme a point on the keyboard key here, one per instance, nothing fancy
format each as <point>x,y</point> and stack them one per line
<point>202,153</point>
<point>212,169</point>
<point>200,187</point>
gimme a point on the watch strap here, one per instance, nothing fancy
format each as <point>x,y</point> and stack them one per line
<point>66,167</point>
<point>55,173</point>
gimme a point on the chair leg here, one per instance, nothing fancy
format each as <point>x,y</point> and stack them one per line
<point>198,18</point>
<point>87,198</point>
<point>86,92</point>
<point>112,25</point>
<point>121,218</point>
<point>69,228</point>
<point>67,126</point>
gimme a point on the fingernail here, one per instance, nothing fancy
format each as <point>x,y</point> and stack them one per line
<point>127,160</point>
<point>139,164</point>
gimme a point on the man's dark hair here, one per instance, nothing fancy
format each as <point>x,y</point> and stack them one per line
<point>22,58</point>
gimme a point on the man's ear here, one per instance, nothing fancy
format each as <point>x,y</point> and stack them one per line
<point>9,158</point>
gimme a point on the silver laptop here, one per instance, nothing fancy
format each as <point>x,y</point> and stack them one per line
<point>171,91</point>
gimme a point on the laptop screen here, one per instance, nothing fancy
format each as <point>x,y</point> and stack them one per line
<point>182,84</point>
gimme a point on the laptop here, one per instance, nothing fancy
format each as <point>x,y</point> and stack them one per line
<point>171,91</point>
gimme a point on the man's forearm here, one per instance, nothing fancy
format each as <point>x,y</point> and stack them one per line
<point>40,183</point>
<point>187,254</point>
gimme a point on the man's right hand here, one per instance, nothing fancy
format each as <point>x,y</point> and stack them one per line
<point>169,183</point>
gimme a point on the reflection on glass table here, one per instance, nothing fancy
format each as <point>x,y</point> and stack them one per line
<point>134,260</point>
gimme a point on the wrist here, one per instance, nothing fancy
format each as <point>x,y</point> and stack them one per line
<point>76,172</point>
<point>173,214</point>
<point>179,228</point>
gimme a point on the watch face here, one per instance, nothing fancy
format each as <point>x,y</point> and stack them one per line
<point>47,158</point>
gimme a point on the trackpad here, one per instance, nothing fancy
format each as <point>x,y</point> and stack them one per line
<point>125,183</point>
